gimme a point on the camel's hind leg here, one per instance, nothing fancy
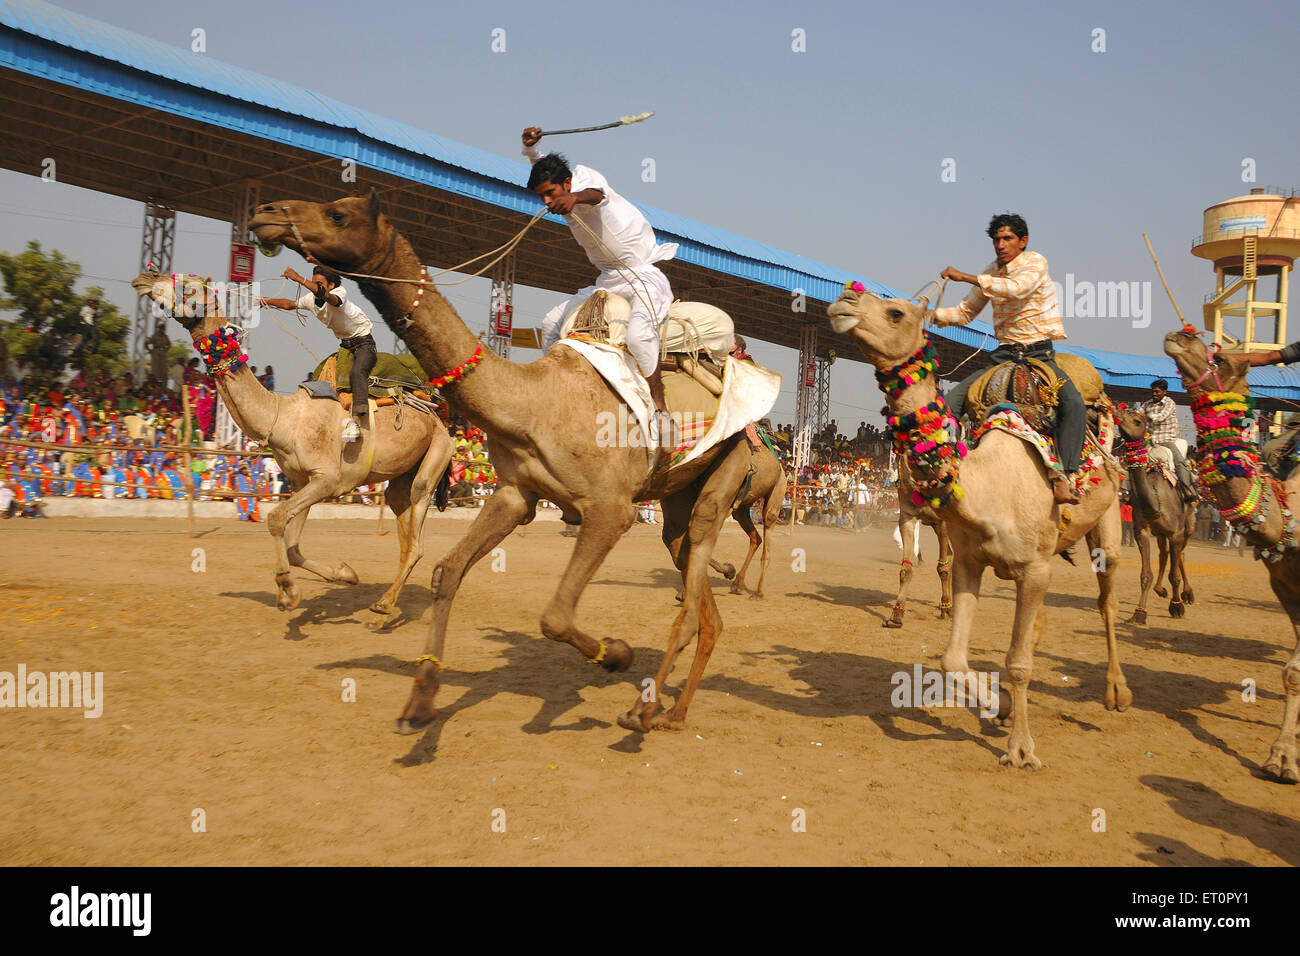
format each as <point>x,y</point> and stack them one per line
<point>505,510</point>
<point>1106,536</point>
<point>1281,761</point>
<point>907,530</point>
<point>1189,530</point>
<point>414,490</point>
<point>771,518</point>
<point>1176,581</point>
<point>1162,542</point>
<point>746,521</point>
<point>944,568</point>
<point>277,523</point>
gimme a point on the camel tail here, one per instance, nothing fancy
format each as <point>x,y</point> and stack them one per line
<point>442,492</point>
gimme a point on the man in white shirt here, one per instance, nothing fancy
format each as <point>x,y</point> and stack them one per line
<point>623,248</point>
<point>328,301</point>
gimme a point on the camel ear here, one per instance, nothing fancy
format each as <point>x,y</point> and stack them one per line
<point>372,204</point>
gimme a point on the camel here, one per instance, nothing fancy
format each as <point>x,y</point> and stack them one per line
<point>1159,511</point>
<point>1253,500</point>
<point>1001,514</point>
<point>908,515</point>
<point>768,487</point>
<point>542,422</point>
<point>305,435</point>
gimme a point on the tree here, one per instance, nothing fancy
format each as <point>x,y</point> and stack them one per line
<point>49,333</point>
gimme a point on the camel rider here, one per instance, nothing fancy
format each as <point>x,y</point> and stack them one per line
<point>1026,320</point>
<point>329,302</point>
<point>1163,427</point>
<point>1281,453</point>
<point>625,254</point>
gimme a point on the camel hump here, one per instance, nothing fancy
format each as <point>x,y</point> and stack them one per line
<point>1083,374</point>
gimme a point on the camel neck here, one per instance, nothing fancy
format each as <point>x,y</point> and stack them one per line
<point>924,432</point>
<point>440,340</point>
<point>251,406</point>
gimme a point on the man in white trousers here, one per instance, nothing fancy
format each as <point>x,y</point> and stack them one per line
<point>623,248</point>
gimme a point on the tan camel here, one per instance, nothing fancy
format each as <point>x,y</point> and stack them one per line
<point>1257,503</point>
<point>908,515</point>
<point>543,423</point>
<point>1159,511</point>
<point>305,436</point>
<point>1003,516</point>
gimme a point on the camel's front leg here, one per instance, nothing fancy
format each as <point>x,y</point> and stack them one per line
<point>1106,537</point>
<point>507,508</point>
<point>315,490</point>
<point>293,534</point>
<point>1281,761</point>
<point>1176,583</point>
<point>1162,543</point>
<point>907,531</point>
<point>944,568</point>
<point>1031,588</point>
<point>966,577</point>
<point>1142,538</point>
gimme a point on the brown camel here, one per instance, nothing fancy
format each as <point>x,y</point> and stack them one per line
<point>1159,511</point>
<point>304,434</point>
<point>1256,502</point>
<point>1001,514</point>
<point>543,423</point>
<point>908,515</point>
<point>767,486</point>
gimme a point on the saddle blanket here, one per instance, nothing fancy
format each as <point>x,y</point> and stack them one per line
<point>748,393</point>
<point>1090,470</point>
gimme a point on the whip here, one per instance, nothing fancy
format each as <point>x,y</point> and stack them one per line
<point>623,121</point>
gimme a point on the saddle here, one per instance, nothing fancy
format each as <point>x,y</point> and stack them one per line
<point>393,377</point>
<point>694,339</point>
<point>1034,388</point>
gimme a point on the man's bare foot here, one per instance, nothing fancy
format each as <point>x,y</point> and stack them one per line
<point>1062,492</point>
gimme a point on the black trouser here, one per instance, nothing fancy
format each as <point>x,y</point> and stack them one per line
<point>1071,415</point>
<point>363,360</point>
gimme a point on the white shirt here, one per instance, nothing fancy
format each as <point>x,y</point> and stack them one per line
<point>346,320</point>
<point>6,497</point>
<point>619,224</point>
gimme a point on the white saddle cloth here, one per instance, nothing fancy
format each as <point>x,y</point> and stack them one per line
<point>690,327</point>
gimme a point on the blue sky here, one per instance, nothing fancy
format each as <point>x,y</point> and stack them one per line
<point>835,153</point>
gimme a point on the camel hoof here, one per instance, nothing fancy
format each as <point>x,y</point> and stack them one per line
<point>680,597</point>
<point>737,588</point>
<point>945,614</point>
<point>346,575</point>
<point>618,656</point>
<point>757,594</point>
<point>1281,764</point>
<point>1189,598</point>
<point>1119,697</point>
<point>664,720</point>
<point>410,725</point>
<point>290,597</point>
<point>632,722</point>
<point>895,621</point>
<point>1161,592</point>
<point>386,622</point>
<point>1176,609</point>
<point>1139,617</point>
<point>1022,758</point>
<point>729,572</point>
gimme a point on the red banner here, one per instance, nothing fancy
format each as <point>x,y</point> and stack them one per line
<point>241,262</point>
<point>810,374</point>
<point>504,319</point>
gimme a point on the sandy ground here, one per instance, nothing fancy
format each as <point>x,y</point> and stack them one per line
<point>217,702</point>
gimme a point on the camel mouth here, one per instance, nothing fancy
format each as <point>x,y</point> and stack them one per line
<point>843,316</point>
<point>271,235</point>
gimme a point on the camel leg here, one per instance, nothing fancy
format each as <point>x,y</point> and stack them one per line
<point>415,491</point>
<point>507,508</point>
<point>1162,542</point>
<point>1031,588</point>
<point>944,568</point>
<point>1176,609</point>
<point>1189,529</point>
<point>746,521</point>
<point>966,577</point>
<point>1106,536</point>
<point>710,629</point>
<point>1281,761</point>
<point>276,522</point>
<point>771,518</point>
<point>1142,539</point>
<point>293,529</point>
<point>906,528</point>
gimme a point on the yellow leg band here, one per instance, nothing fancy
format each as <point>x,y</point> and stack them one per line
<point>600,654</point>
<point>428,657</point>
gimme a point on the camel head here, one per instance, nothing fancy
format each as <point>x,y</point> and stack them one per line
<point>197,299</point>
<point>886,331</point>
<point>1201,370</point>
<point>1131,422</point>
<point>348,234</point>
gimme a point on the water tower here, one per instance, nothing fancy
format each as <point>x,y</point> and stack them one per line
<point>1249,238</point>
